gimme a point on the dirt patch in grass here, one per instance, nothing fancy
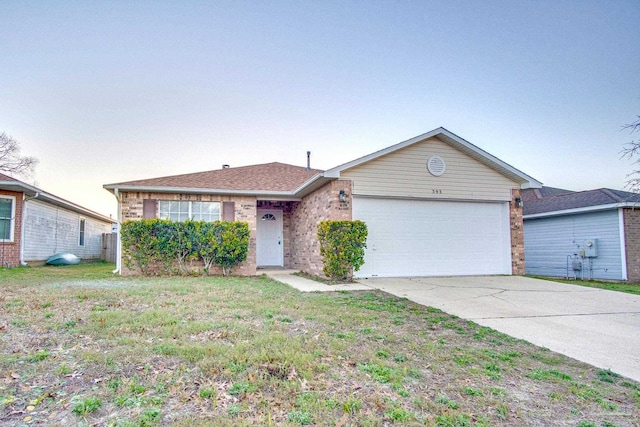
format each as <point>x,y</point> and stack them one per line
<point>100,350</point>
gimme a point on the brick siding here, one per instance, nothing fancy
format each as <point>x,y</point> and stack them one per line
<point>517,235</point>
<point>245,211</point>
<point>632,246</point>
<point>10,251</point>
<point>320,205</point>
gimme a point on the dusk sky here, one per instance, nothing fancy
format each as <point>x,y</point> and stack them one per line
<point>104,92</point>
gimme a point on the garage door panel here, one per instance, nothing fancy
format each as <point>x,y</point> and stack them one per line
<point>422,238</point>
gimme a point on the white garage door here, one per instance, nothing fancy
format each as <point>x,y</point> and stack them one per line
<point>434,238</point>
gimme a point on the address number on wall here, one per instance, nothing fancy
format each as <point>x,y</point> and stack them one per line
<point>436,191</point>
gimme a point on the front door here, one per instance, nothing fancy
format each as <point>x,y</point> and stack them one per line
<point>269,241</point>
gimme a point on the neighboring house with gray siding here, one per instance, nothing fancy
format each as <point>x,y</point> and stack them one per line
<point>35,224</point>
<point>591,234</point>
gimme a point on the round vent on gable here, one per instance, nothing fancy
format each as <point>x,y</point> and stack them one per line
<point>436,166</point>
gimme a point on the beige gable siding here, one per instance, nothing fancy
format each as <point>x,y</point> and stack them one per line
<point>404,173</point>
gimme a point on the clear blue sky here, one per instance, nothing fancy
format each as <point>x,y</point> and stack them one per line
<point>103,92</point>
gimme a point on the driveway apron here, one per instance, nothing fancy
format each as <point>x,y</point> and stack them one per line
<point>596,326</point>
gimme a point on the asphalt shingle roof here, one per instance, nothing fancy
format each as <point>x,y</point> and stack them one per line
<point>4,177</point>
<point>264,177</point>
<point>549,199</point>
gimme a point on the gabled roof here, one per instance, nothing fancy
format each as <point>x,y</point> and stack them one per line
<point>548,201</point>
<point>9,183</point>
<point>455,141</point>
<point>268,178</point>
<point>279,180</point>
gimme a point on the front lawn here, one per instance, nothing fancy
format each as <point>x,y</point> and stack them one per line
<point>630,288</point>
<point>81,347</point>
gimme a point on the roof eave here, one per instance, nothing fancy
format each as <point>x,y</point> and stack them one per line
<point>19,187</point>
<point>189,190</point>
<point>477,153</point>
<point>586,209</point>
<point>312,184</point>
<point>33,192</point>
<point>305,188</point>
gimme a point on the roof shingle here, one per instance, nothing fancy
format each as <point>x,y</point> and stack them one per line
<point>264,177</point>
<point>549,199</point>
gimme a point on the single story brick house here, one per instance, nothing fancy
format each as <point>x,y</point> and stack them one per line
<point>599,229</point>
<point>35,224</point>
<point>434,205</point>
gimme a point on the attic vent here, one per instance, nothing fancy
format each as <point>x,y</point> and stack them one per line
<point>436,165</point>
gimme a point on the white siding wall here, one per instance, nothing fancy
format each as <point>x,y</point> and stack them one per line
<point>51,229</point>
<point>404,174</point>
<point>548,241</point>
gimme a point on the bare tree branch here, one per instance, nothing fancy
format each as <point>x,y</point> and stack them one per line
<point>10,159</point>
<point>629,151</point>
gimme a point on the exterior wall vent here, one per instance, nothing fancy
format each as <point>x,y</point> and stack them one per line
<point>436,166</point>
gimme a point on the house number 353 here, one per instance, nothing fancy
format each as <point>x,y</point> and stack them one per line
<point>436,191</point>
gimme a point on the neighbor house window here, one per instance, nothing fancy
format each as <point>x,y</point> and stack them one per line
<point>7,218</point>
<point>181,211</point>
<point>82,224</point>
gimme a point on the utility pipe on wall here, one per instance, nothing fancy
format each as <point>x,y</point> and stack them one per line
<point>118,244</point>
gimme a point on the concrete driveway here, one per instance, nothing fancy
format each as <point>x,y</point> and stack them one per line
<point>595,326</point>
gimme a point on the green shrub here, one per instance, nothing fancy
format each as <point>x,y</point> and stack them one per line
<point>149,244</point>
<point>342,245</point>
<point>223,243</point>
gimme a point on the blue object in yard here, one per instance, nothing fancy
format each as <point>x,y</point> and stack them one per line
<point>63,259</point>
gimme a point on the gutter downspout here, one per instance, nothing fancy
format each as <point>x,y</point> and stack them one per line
<point>118,269</point>
<point>25,199</point>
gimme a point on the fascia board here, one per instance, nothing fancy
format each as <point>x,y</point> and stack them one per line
<point>313,183</point>
<point>31,192</point>
<point>50,198</point>
<point>454,140</point>
<point>574,211</point>
<point>189,190</point>
<point>19,187</point>
<point>491,160</point>
<point>335,172</point>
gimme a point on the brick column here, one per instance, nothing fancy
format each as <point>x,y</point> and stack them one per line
<point>632,248</point>
<point>517,234</point>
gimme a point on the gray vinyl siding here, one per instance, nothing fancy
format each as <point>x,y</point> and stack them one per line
<point>548,241</point>
<point>50,229</point>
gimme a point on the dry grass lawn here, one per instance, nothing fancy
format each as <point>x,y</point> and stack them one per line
<point>81,347</point>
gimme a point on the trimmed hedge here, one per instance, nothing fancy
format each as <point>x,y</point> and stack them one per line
<point>342,245</point>
<point>152,244</point>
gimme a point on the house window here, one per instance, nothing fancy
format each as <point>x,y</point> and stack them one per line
<point>82,224</point>
<point>181,210</point>
<point>7,217</point>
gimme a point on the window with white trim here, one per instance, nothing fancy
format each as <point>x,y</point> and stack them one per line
<point>7,218</point>
<point>183,210</point>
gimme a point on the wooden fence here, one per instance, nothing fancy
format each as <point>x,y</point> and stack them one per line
<point>109,247</point>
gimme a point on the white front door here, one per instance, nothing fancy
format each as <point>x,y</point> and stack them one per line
<point>269,241</point>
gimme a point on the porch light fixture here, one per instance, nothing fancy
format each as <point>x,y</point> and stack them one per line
<point>518,202</point>
<point>342,196</point>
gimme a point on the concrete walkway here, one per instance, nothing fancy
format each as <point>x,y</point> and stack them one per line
<point>596,326</point>
<point>288,277</point>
